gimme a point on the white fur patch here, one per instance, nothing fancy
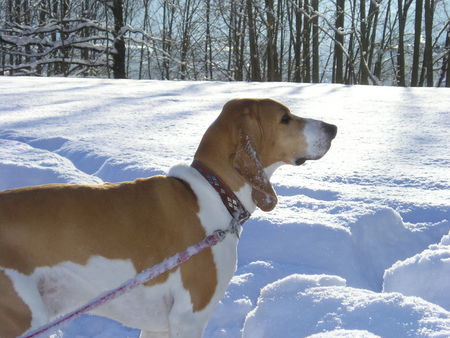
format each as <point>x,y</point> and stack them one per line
<point>26,287</point>
<point>317,139</point>
<point>53,291</point>
<point>213,216</point>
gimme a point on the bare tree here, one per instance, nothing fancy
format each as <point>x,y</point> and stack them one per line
<point>343,41</point>
<point>417,36</point>
<point>208,42</point>
<point>298,29</point>
<point>145,4</point>
<point>428,53</point>
<point>446,61</point>
<point>306,59</point>
<point>253,40</point>
<point>338,62</point>
<point>273,73</point>
<point>403,6</point>
<point>364,75</point>
<point>315,43</point>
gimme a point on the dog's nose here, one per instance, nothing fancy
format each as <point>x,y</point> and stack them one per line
<point>330,129</point>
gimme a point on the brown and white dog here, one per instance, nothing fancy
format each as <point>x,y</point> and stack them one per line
<point>61,245</point>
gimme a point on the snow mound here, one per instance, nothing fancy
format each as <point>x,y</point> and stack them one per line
<point>425,275</point>
<point>344,334</point>
<point>299,306</point>
<point>91,326</point>
<point>381,238</point>
<point>22,165</point>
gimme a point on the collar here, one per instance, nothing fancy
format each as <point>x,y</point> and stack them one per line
<point>229,199</point>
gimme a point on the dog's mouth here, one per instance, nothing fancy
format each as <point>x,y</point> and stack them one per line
<point>300,161</point>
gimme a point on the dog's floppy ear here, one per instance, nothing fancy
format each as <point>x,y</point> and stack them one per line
<point>248,164</point>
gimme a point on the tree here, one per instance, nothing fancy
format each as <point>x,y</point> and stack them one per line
<point>297,37</point>
<point>253,40</point>
<point>417,35</point>
<point>236,23</point>
<point>446,62</point>
<point>208,43</point>
<point>145,3</point>
<point>343,41</point>
<point>119,41</point>
<point>315,48</point>
<point>428,53</point>
<point>338,76</point>
<point>273,73</point>
<point>364,75</point>
<point>306,59</point>
<point>403,6</point>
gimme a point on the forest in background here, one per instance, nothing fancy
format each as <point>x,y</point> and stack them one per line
<point>403,42</point>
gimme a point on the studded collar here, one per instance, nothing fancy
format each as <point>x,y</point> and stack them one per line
<point>229,199</point>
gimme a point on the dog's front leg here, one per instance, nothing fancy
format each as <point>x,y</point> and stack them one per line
<point>188,324</point>
<point>148,334</point>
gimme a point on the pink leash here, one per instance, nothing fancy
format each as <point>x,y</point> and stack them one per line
<point>141,278</point>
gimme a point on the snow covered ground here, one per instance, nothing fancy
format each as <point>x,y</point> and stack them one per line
<point>359,244</point>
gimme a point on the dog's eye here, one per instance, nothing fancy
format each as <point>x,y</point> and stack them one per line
<point>285,119</point>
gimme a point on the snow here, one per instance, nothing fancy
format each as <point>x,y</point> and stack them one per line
<point>359,243</point>
<point>299,305</point>
<point>430,272</point>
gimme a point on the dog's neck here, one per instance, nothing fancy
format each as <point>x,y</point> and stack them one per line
<point>232,202</point>
<point>243,195</point>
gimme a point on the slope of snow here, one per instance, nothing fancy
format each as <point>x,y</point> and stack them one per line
<point>380,196</point>
<point>299,305</point>
<point>427,274</point>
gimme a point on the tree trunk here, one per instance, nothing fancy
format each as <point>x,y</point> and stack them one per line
<point>235,40</point>
<point>315,52</point>
<point>372,31</point>
<point>417,35</point>
<point>306,45</point>
<point>186,38</point>
<point>350,76</point>
<point>428,54</point>
<point>208,43</point>
<point>364,76</point>
<point>298,42</point>
<point>272,53</point>
<point>64,9</point>
<point>119,42</point>
<point>400,71</point>
<point>379,62</point>
<point>42,18</point>
<point>338,76</point>
<point>402,15</point>
<point>253,40</point>
<point>447,46</point>
<point>281,8</point>
<point>141,59</point>
<point>167,30</point>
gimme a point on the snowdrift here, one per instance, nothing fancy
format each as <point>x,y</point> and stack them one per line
<point>359,244</point>
<point>300,305</point>
<point>426,274</point>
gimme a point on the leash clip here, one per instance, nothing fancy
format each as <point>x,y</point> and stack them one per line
<point>235,227</point>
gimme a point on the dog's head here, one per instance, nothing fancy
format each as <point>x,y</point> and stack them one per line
<point>262,133</point>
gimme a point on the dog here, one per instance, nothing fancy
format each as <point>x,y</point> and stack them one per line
<point>62,245</point>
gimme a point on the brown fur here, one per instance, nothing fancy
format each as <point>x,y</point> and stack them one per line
<point>47,225</point>
<point>15,315</point>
